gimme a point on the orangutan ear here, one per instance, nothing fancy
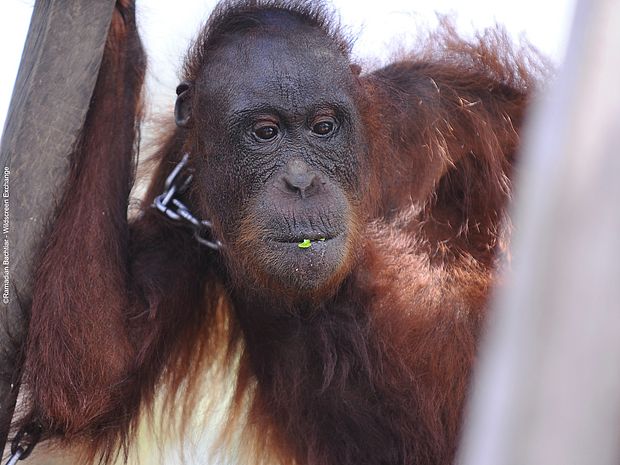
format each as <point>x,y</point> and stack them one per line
<point>183,105</point>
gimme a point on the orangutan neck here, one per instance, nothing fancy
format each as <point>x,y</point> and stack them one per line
<point>359,379</point>
<point>318,376</point>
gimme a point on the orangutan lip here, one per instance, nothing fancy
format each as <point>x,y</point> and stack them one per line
<point>312,237</point>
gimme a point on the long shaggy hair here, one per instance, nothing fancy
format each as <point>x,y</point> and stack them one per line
<point>375,373</point>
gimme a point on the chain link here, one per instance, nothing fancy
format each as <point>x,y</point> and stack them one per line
<point>169,204</point>
<point>24,442</point>
<point>15,456</point>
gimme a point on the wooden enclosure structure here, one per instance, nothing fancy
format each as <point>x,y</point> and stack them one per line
<point>52,93</point>
<point>547,390</point>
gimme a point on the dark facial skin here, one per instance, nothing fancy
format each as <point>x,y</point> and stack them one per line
<point>275,119</point>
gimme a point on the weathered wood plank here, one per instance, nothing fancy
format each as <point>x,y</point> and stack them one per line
<point>548,389</point>
<point>53,89</point>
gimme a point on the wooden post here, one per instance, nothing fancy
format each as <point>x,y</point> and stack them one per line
<point>548,387</point>
<point>54,85</point>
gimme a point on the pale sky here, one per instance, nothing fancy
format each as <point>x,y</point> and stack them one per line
<point>167,28</point>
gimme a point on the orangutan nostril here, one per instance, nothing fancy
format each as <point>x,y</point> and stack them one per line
<point>300,179</point>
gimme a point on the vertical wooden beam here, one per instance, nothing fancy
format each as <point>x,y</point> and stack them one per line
<point>548,388</point>
<point>54,85</point>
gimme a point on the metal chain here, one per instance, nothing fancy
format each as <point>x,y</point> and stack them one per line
<point>15,457</point>
<point>169,204</point>
<point>24,442</point>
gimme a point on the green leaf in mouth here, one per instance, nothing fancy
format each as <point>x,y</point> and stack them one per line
<point>304,244</point>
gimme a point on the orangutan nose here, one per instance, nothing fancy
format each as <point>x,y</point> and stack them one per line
<point>299,178</point>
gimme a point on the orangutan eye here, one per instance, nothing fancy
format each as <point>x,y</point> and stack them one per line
<point>322,128</point>
<point>266,132</point>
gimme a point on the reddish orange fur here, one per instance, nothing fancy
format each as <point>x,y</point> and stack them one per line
<point>377,369</point>
<point>71,320</point>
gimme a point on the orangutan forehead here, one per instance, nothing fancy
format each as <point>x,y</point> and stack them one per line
<point>279,48</point>
<point>283,67</point>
